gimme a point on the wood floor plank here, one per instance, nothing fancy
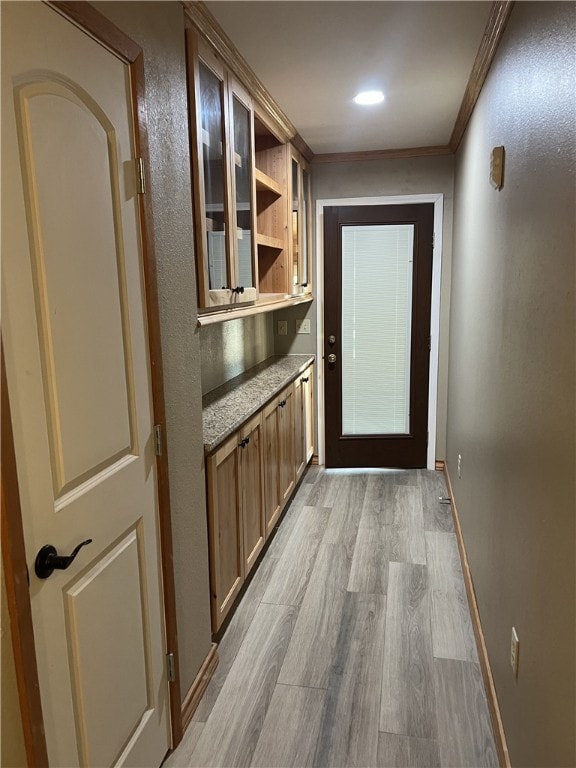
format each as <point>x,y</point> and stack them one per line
<point>290,732</point>
<point>393,751</point>
<point>406,541</point>
<point>369,570</point>
<point>181,756</point>
<point>443,558</point>
<point>396,751</point>
<point>452,633</point>
<point>290,579</point>
<point>437,517</point>
<point>408,705</point>
<point>313,643</point>
<point>231,732</point>
<point>464,732</point>
<point>346,514</point>
<point>424,753</point>
<point>349,731</point>
<point>378,506</point>
<point>235,634</point>
<point>325,490</point>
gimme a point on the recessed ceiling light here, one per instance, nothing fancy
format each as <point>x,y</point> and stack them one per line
<point>369,97</point>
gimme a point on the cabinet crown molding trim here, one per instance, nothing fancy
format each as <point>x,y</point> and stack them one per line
<point>201,18</point>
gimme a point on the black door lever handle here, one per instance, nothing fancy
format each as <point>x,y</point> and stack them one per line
<point>48,560</point>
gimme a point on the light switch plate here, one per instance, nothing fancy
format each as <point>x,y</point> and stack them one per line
<point>303,326</point>
<point>282,327</point>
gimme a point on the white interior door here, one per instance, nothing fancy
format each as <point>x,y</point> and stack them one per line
<point>75,336</point>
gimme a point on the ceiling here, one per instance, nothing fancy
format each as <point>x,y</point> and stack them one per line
<point>313,57</point>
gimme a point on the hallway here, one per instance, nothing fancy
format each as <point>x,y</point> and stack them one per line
<point>353,644</point>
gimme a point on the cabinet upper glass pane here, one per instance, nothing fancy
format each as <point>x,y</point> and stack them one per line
<point>212,139</point>
<point>243,186</point>
<point>305,267</point>
<point>295,226</point>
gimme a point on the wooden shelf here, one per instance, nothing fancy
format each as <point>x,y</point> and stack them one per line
<point>265,183</point>
<point>266,303</point>
<point>269,242</point>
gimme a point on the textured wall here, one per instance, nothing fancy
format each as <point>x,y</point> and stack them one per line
<point>158,28</point>
<point>414,176</point>
<point>231,348</point>
<point>512,376</point>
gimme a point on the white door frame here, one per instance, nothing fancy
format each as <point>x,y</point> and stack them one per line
<point>438,201</point>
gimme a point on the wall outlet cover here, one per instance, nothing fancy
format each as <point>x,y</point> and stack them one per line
<point>303,326</point>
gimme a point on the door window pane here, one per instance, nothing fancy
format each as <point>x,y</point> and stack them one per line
<point>377,263</point>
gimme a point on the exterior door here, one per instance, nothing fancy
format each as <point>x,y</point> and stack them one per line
<point>75,335</point>
<point>378,267</point>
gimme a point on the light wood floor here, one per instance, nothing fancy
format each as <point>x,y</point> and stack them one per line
<point>353,644</point>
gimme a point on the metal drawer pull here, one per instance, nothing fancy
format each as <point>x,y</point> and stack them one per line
<point>282,403</point>
<point>305,379</point>
<point>243,443</point>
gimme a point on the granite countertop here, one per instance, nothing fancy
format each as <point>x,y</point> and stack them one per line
<point>227,407</point>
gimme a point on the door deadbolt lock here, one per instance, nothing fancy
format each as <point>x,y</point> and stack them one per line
<point>332,359</point>
<point>331,339</point>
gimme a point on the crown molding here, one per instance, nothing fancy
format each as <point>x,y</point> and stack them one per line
<point>495,26</point>
<point>200,17</point>
<point>382,154</point>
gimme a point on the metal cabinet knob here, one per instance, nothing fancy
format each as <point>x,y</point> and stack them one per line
<point>331,358</point>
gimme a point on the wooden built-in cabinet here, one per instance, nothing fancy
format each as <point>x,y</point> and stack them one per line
<point>250,479</point>
<point>222,145</point>
<point>236,525</point>
<point>251,195</point>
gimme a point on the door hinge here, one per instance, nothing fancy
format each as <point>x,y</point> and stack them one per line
<point>171,667</point>
<point>158,439</point>
<point>429,343</point>
<point>140,177</point>
<point>433,239</point>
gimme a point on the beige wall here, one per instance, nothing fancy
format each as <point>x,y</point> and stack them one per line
<point>12,753</point>
<point>413,176</point>
<point>158,28</point>
<point>230,348</point>
<point>512,376</point>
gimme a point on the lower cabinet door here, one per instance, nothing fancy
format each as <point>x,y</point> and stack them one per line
<point>272,505</point>
<point>252,490</point>
<point>224,529</point>
<point>307,380</point>
<point>299,427</point>
<point>286,441</point>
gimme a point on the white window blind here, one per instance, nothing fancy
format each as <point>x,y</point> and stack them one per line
<point>376,328</point>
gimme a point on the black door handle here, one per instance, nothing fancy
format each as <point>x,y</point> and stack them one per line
<point>48,560</point>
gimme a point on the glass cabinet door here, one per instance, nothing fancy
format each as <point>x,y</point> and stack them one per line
<point>212,142</point>
<point>295,226</point>
<point>243,225</point>
<point>306,235</point>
